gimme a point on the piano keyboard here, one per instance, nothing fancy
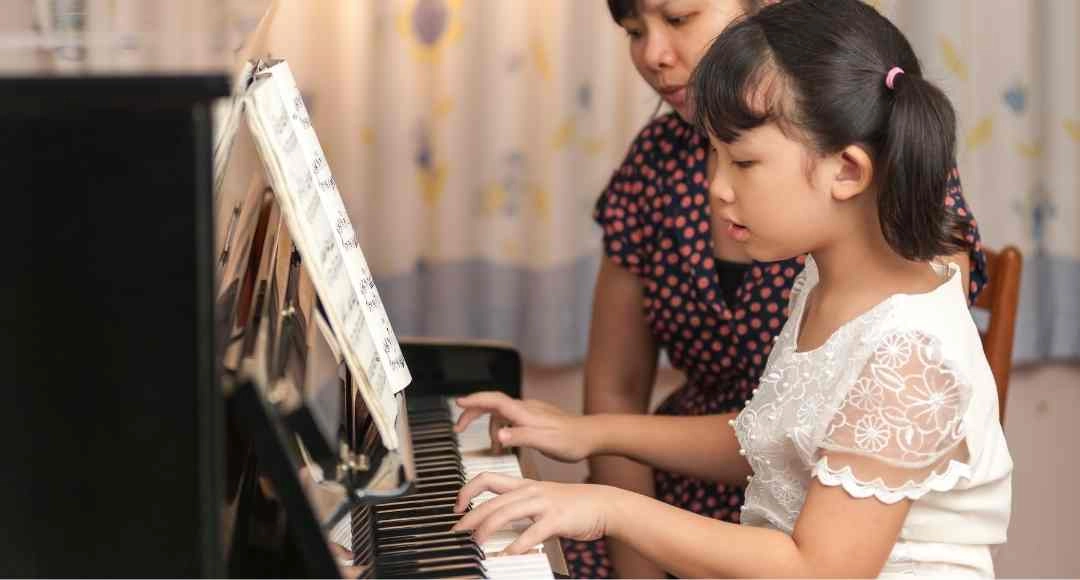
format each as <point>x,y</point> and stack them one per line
<point>412,537</point>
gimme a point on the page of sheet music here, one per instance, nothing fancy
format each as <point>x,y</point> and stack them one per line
<point>377,321</point>
<point>324,235</point>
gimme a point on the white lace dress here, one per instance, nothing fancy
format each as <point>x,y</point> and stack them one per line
<point>904,395</point>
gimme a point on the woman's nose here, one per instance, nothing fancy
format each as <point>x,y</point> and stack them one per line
<point>659,53</point>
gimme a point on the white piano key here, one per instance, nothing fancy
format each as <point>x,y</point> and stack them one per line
<point>524,566</point>
<point>342,532</point>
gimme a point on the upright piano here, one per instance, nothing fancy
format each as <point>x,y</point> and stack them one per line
<point>179,404</point>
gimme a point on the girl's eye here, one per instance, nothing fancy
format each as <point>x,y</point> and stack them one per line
<point>633,32</point>
<point>743,164</point>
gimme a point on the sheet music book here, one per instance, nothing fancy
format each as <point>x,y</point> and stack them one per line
<point>320,227</point>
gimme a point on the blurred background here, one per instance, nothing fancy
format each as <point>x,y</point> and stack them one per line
<point>471,138</point>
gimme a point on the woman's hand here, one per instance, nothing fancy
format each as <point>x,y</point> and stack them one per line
<point>576,511</point>
<point>535,424</point>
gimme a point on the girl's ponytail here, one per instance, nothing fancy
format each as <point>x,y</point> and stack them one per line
<point>916,160</point>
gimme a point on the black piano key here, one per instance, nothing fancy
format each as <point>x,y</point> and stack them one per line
<point>449,445</point>
<point>422,568</point>
<point>412,546</point>
<point>438,462</point>
<point>422,498</point>
<point>406,529</point>
<point>441,508</point>
<point>421,554</point>
<point>426,537</point>
<point>394,519</point>
<point>443,486</point>
<point>444,477</point>
<point>430,472</point>
<point>433,435</point>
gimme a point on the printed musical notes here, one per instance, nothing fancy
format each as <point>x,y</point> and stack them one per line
<point>324,235</point>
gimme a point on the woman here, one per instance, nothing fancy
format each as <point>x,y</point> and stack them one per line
<point>671,282</point>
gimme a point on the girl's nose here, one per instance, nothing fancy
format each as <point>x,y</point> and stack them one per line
<point>720,187</point>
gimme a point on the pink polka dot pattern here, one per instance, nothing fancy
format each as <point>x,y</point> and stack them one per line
<point>655,220</point>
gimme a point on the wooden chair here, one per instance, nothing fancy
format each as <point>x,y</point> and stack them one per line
<point>1001,299</point>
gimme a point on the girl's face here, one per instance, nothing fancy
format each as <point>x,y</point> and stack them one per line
<point>771,194</point>
<point>668,37</point>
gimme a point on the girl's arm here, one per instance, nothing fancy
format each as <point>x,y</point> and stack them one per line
<point>835,534</point>
<point>704,446</point>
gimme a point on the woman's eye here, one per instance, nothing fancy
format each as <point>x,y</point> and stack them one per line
<point>743,164</point>
<point>679,20</point>
<point>633,32</point>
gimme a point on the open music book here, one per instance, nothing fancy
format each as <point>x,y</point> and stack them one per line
<point>266,95</point>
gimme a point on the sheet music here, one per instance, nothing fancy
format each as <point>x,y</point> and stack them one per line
<point>315,215</point>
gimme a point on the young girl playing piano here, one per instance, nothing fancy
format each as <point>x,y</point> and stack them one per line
<point>872,444</point>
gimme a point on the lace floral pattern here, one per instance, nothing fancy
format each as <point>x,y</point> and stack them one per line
<point>877,410</point>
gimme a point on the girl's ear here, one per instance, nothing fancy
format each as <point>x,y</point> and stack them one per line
<point>854,173</point>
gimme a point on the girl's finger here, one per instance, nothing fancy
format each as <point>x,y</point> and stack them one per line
<point>493,482</point>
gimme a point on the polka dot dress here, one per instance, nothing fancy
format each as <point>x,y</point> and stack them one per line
<point>655,219</point>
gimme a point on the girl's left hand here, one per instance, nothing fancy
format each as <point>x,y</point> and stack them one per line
<point>575,511</point>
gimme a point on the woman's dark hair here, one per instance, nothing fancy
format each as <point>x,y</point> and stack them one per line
<point>817,68</point>
<point>628,8</point>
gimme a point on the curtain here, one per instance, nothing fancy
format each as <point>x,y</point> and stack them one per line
<point>470,139</point>
<point>1012,70</point>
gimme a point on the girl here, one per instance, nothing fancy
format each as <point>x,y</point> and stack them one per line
<point>670,281</point>
<point>872,444</point>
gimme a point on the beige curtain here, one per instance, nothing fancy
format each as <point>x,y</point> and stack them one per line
<point>1012,68</point>
<point>470,138</point>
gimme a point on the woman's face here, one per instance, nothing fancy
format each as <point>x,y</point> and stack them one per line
<point>668,37</point>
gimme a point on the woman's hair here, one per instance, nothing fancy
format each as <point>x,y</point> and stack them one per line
<point>818,68</point>
<point>628,8</point>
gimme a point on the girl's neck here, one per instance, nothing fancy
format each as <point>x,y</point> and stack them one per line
<point>860,263</point>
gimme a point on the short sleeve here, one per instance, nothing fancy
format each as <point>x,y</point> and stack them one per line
<point>898,432</point>
<point>623,210</point>
<point>956,203</point>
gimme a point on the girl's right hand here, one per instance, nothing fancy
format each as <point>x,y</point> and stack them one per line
<point>529,423</point>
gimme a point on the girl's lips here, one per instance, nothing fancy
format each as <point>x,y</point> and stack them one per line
<point>737,232</point>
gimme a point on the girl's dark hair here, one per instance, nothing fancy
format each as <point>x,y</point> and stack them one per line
<point>628,8</point>
<point>817,68</point>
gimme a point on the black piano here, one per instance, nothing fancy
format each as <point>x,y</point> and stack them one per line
<point>178,405</point>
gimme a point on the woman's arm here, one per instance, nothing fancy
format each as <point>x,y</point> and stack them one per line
<point>620,370</point>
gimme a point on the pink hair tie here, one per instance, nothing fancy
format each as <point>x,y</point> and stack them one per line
<point>890,78</point>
